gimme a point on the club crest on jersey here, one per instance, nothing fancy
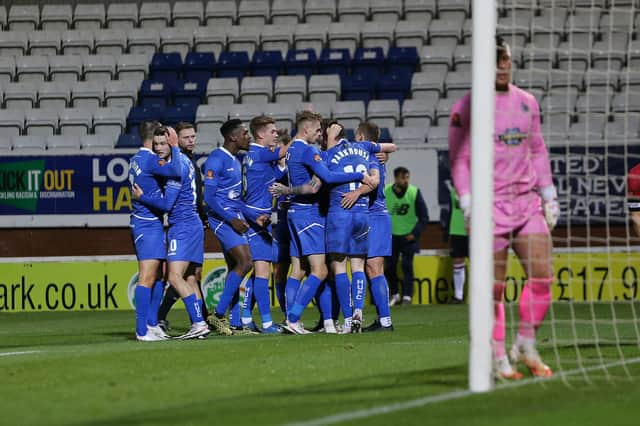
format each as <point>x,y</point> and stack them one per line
<point>161,162</point>
<point>455,120</point>
<point>525,107</point>
<point>317,157</point>
<point>512,136</point>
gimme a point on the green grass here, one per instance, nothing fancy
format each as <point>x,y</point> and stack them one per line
<point>85,368</point>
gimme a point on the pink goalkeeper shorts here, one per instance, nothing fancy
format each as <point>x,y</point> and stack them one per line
<point>521,216</point>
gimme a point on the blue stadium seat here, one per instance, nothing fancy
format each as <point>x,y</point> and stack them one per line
<point>334,61</point>
<point>165,67</point>
<point>301,62</point>
<point>155,93</point>
<point>357,88</point>
<point>199,66</point>
<point>175,114</point>
<point>130,140</point>
<point>189,92</point>
<point>385,135</point>
<point>233,64</point>
<point>368,62</point>
<point>351,134</point>
<point>139,114</point>
<point>393,86</point>
<point>402,60</point>
<point>267,63</point>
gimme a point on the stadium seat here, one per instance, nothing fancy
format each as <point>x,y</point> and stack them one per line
<point>155,15</point>
<point>605,80</point>
<point>208,141</point>
<point>199,66</point>
<point>29,143</point>
<point>12,122</point>
<point>385,113</point>
<point>34,68</point>
<point>89,16</point>
<point>419,10</point>
<point>179,113</point>
<point>322,108</point>
<point>13,43</point>
<point>110,42</point>
<point>65,68</point>
<point>210,39</point>
<point>209,118</point>
<point>122,16</point>
<point>121,93</point>
<point>624,125</point>
<point>45,42</point>
<point>539,58</point>
<point>349,113</point>
<point>301,62</point>
<point>233,64</point>
<point>357,88</point>
<point>457,84</point>
<point>514,29</point>
<point>56,17</point>
<point>385,136</point>
<point>7,69</point>
<point>176,39</point>
<point>320,11</point>
<point>283,114</point>
<point>98,67</point>
<point>344,35</point>
<point>220,13</point>
<point>353,11</point>
<point>378,34</point>
<point>443,110</point>
<point>324,88</point>
<point>253,12</point>
<point>610,52</point>
<point>132,67</point>
<point>531,79</point>
<point>144,41</point>
<point>410,33</point>
<point>165,67</point>
<point>23,17</point>
<point>277,38</point>
<point>126,140</point>
<point>589,128</point>
<point>445,32</point>
<point>267,63</point>
<point>438,137</point>
<point>562,78</point>
<point>256,90</point>
<point>310,36</point>
<point>244,112</point>
<point>75,121</point>
<point>286,12</point>
<point>462,58</point>
<point>368,62</point>
<point>221,91</point>
<point>54,94</point>
<point>66,143</point>
<point>189,14</point>
<point>243,39</point>
<point>384,11</point>
<point>97,143</point>
<point>626,102</point>
<point>41,121</point>
<point>109,121</point>
<point>409,136</point>
<point>402,60</point>
<point>87,94</point>
<point>77,42</point>
<point>416,112</point>
<point>290,89</point>
<point>155,93</point>
<point>393,86</point>
<point>3,17</point>
<point>20,95</point>
<point>334,61</point>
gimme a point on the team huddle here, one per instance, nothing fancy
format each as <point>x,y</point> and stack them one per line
<point>330,210</point>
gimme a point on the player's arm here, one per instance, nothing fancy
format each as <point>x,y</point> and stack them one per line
<point>156,199</point>
<point>460,154</point>
<point>312,187</point>
<point>350,198</point>
<point>168,168</point>
<point>280,171</point>
<point>377,147</point>
<point>212,168</point>
<point>314,161</point>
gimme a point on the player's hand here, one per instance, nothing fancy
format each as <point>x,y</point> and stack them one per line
<point>410,237</point>
<point>263,220</point>
<point>278,189</point>
<point>333,131</point>
<point>349,199</point>
<point>382,157</point>
<point>465,205</point>
<point>136,191</point>
<point>172,137</point>
<point>367,180</point>
<point>239,225</point>
<point>551,213</point>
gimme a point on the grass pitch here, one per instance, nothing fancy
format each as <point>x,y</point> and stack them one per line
<point>80,368</point>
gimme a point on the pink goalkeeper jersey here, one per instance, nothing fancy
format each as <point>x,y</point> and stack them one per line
<point>521,161</point>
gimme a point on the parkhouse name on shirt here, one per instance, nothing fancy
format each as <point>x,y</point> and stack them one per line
<point>344,152</point>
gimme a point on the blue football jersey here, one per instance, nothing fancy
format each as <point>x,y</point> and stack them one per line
<point>377,202</point>
<point>223,184</point>
<point>259,172</point>
<point>185,207</point>
<point>145,170</point>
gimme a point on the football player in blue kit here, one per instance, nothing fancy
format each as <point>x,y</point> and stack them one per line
<point>259,171</point>
<point>147,230</point>
<point>222,194</point>
<point>185,233</point>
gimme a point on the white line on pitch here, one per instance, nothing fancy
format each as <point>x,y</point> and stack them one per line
<point>18,353</point>
<point>391,408</point>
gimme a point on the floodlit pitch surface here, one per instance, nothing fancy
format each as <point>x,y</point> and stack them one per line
<point>85,368</point>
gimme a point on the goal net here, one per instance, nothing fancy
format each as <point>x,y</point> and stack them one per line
<point>581,60</point>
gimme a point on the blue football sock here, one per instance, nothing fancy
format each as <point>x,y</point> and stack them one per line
<point>326,301</point>
<point>343,289</point>
<point>234,314</point>
<point>261,294</point>
<point>280,295</point>
<point>193,308</point>
<point>380,294</point>
<point>290,291</point>
<point>143,300</point>
<point>303,297</point>
<point>156,300</point>
<point>246,302</point>
<point>231,285</point>
<point>358,289</point>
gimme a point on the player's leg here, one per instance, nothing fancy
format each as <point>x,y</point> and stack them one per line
<point>459,252</point>
<point>379,294</point>
<point>176,273</point>
<point>408,249</point>
<point>262,296</point>
<point>197,280</point>
<point>242,266</point>
<point>147,277</point>
<point>318,273</point>
<point>358,290</point>
<point>343,287</point>
<point>391,271</point>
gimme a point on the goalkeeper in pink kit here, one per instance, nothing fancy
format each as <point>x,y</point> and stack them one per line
<point>525,208</point>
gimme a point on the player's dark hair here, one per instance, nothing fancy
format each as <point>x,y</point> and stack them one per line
<point>160,131</point>
<point>501,47</point>
<point>284,136</point>
<point>229,126</point>
<point>399,171</point>
<point>326,123</point>
<point>257,123</point>
<point>147,129</point>
<point>370,130</point>
<point>183,125</point>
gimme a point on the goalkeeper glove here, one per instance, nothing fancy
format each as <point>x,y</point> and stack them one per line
<point>550,206</point>
<point>465,205</point>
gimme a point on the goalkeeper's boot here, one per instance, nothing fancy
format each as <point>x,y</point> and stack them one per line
<point>221,325</point>
<point>502,370</point>
<point>528,355</point>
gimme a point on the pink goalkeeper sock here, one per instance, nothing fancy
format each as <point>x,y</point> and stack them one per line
<point>499,328</point>
<point>534,304</point>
